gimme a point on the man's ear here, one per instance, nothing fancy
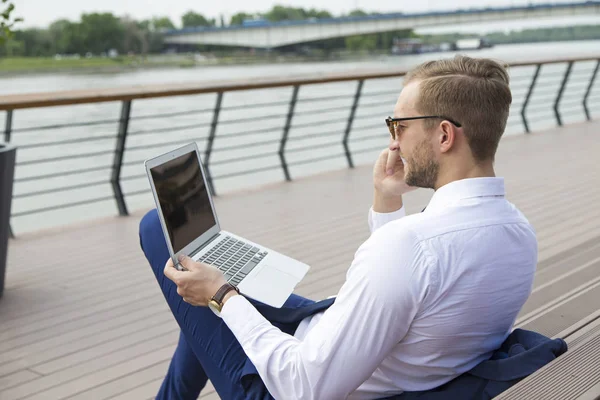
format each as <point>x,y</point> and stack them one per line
<point>447,136</point>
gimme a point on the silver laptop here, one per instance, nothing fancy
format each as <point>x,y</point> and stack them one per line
<point>191,227</point>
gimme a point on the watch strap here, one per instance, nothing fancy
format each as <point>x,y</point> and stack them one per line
<point>223,290</point>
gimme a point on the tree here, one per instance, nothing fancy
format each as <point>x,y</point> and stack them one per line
<point>239,18</point>
<point>159,23</point>
<point>192,19</point>
<point>6,20</point>
<point>101,32</point>
<point>320,14</point>
<point>362,42</point>
<point>36,42</point>
<point>282,13</point>
<point>65,37</point>
<point>357,13</point>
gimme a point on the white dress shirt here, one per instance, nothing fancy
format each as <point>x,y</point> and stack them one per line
<point>427,297</point>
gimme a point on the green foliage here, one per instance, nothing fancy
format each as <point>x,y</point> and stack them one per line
<point>357,13</point>
<point>239,18</point>
<point>361,42</point>
<point>7,21</point>
<point>191,19</point>
<point>162,23</point>
<point>102,32</point>
<point>281,13</point>
<point>95,33</point>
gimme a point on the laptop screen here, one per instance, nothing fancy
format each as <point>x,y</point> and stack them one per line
<point>183,199</point>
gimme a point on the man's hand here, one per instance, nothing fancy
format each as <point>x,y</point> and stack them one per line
<point>388,180</point>
<point>198,284</point>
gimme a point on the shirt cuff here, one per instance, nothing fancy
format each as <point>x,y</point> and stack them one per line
<point>241,317</point>
<point>377,219</point>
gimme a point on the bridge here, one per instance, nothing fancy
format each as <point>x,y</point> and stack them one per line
<point>273,35</point>
<point>97,326</point>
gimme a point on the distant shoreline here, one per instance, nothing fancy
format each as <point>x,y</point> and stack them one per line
<point>23,66</point>
<point>42,65</point>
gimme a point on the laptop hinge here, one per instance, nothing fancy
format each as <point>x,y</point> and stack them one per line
<point>209,241</point>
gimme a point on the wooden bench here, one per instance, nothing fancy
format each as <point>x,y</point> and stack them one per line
<point>573,316</point>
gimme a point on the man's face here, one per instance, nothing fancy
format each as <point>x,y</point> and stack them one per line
<point>421,166</point>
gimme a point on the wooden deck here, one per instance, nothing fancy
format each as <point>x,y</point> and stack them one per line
<point>82,317</point>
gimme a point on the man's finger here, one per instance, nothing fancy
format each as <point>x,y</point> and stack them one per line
<point>393,156</point>
<point>171,272</point>
<point>187,262</point>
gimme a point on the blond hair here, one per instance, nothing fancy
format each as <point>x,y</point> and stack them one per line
<point>472,91</point>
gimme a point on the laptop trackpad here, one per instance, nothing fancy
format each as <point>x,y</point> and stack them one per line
<point>274,285</point>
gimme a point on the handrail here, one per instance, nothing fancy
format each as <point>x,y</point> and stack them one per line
<point>255,136</point>
<point>72,97</point>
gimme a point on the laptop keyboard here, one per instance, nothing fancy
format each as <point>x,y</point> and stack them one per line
<point>234,258</point>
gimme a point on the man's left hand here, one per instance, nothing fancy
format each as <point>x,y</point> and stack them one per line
<point>198,284</point>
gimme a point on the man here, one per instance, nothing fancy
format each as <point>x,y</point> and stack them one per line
<point>427,297</point>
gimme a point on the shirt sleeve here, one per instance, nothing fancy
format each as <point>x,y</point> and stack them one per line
<point>372,313</point>
<point>377,219</point>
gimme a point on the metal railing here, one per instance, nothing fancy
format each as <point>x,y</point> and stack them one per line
<point>567,87</point>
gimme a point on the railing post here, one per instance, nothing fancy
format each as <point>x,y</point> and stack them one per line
<point>589,90</point>
<point>560,92</point>
<point>286,131</point>
<point>210,141</point>
<point>7,134</point>
<point>8,125</point>
<point>118,160</point>
<point>528,96</point>
<point>350,121</point>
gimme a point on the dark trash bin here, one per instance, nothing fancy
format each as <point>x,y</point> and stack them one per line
<point>7,174</point>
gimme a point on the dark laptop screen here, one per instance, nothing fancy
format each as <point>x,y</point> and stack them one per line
<point>183,199</point>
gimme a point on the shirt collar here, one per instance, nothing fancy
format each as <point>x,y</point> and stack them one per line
<point>466,189</point>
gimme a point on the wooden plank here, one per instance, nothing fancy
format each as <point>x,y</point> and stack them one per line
<point>126,382</point>
<point>82,318</point>
<point>593,393</point>
<point>12,380</point>
<point>37,354</point>
<point>18,327</point>
<point>573,375</point>
<point>147,390</point>
<point>590,327</point>
<point>549,268</point>
<point>209,395</point>
<point>161,338</point>
<point>143,333</point>
<point>562,314</point>
<point>577,277</point>
<point>157,360</point>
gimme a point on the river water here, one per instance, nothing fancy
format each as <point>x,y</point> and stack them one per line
<point>314,133</point>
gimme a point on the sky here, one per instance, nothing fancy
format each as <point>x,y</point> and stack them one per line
<point>40,13</point>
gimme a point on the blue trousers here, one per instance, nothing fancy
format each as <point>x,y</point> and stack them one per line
<point>207,349</point>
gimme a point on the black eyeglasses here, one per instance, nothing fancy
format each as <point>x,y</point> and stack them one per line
<point>392,123</point>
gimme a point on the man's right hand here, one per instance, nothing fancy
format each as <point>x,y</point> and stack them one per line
<point>388,180</point>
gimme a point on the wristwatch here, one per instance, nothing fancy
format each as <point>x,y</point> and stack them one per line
<point>216,303</point>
